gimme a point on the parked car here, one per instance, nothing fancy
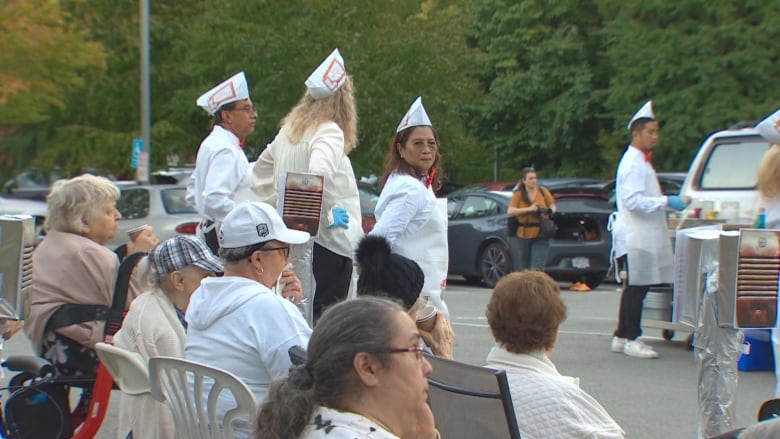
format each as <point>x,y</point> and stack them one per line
<point>552,183</point>
<point>164,207</point>
<point>479,243</point>
<point>725,170</point>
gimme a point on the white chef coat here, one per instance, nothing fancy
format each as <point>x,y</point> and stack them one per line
<point>414,221</point>
<point>640,230</point>
<point>220,169</point>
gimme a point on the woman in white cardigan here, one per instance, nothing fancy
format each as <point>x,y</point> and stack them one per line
<point>155,326</point>
<point>524,314</point>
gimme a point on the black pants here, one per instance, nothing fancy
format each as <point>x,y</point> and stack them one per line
<point>631,304</point>
<point>212,241</point>
<point>332,273</point>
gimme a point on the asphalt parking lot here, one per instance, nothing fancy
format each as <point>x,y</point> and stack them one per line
<point>648,398</point>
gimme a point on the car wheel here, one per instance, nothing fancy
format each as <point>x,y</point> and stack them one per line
<point>594,280</point>
<point>494,263</point>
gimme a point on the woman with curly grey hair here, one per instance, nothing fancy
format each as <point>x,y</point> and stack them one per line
<point>365,376</point>
<point>74,273</point>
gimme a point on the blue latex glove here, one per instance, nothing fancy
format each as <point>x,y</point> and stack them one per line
<point>338,218</point>
<point>676,203</point>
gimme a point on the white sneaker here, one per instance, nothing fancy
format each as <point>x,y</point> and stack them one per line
<point>618,344</point>
<point>636,348</point>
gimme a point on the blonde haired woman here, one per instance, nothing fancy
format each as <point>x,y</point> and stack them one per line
<point>316,137</point>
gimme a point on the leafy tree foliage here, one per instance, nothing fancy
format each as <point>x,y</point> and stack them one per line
<point>706,65</point>
<point>539,77</point>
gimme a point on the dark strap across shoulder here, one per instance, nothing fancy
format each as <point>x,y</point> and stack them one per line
<point>116,314</point>
<point>72,314</point>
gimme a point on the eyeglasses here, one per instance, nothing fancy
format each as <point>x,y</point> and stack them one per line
<point>421,146</point>
<point>286,250</point>
<point>417,350</point>
<point>250,110</point>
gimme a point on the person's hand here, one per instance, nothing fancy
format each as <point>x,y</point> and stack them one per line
<point>676,203</point>
<point>144,242</point>
<point>426,424</point>
<point>338,218</point>
<point>293,291</point>
<point>441,338</point>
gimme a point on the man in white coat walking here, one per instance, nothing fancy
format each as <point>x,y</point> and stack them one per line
<point>640,236</point>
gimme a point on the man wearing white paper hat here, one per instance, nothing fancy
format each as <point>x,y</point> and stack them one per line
<point>237,322</point>
<point>221,166</point>
<point>640,235</point>
<point>316,137</point>
<point>408,213</point>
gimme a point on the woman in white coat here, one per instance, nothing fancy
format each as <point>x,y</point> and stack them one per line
<point>408,213</point>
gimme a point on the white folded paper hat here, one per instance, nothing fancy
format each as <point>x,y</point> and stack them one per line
<point>769,128</point>
<point>415,116</point>
<point>328,78</point>
<point>646,112</point>
<point>251,222</point>
<point>231,90</point>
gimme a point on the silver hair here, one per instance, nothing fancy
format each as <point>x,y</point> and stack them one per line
<point>72,200</point>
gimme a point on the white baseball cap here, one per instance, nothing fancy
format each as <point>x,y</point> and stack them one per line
<point>645,112</point>
<point>328,77</point>
<point>415,116</point>
<point>254,222</point>
<point>233,89</point>
<point>769,128</point>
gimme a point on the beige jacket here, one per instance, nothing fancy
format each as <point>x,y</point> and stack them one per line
<point>151,329</point>
<point>69,268</point>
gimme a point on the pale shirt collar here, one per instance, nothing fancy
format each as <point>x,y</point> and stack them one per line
<point>537,362</point>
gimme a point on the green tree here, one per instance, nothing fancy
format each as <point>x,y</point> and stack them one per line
<point>539,76</point>
<point>44,59</point>
<point>705,65</point>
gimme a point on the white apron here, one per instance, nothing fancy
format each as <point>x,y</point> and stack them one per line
<point>647,243</point>
<point>428,247</point>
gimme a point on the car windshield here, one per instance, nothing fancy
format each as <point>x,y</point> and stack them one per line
<point>175,201</point>
<point>733,165</point>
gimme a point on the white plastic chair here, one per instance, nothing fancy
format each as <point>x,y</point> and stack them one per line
<point>195,414</point>
<point>128,368</point>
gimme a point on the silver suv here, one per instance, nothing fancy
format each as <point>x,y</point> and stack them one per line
<point>724,170</point>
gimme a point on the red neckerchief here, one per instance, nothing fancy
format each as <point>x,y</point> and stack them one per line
<point>241,143</point>
<point>431,175</point>
<point>648,155</point>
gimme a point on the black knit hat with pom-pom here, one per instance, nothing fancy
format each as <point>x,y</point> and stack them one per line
<point>383,272</point>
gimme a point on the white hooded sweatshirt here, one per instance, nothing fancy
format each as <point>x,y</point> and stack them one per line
<point>239,325</point>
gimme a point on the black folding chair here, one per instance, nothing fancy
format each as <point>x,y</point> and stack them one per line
<point>471,401</point>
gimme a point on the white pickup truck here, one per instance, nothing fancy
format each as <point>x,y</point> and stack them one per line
<point>724,171</point>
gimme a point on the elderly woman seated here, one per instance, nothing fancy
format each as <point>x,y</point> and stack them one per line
<point>524,314</point>
<point>365,376</point>
<point>383,273</point>
<point>155,325</point>
<point>74,274</point>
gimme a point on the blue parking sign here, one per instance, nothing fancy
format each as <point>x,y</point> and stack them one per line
<point>138,147</point>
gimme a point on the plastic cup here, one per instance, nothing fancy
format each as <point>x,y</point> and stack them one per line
<point>135,231</point>
<point>426,318</point>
